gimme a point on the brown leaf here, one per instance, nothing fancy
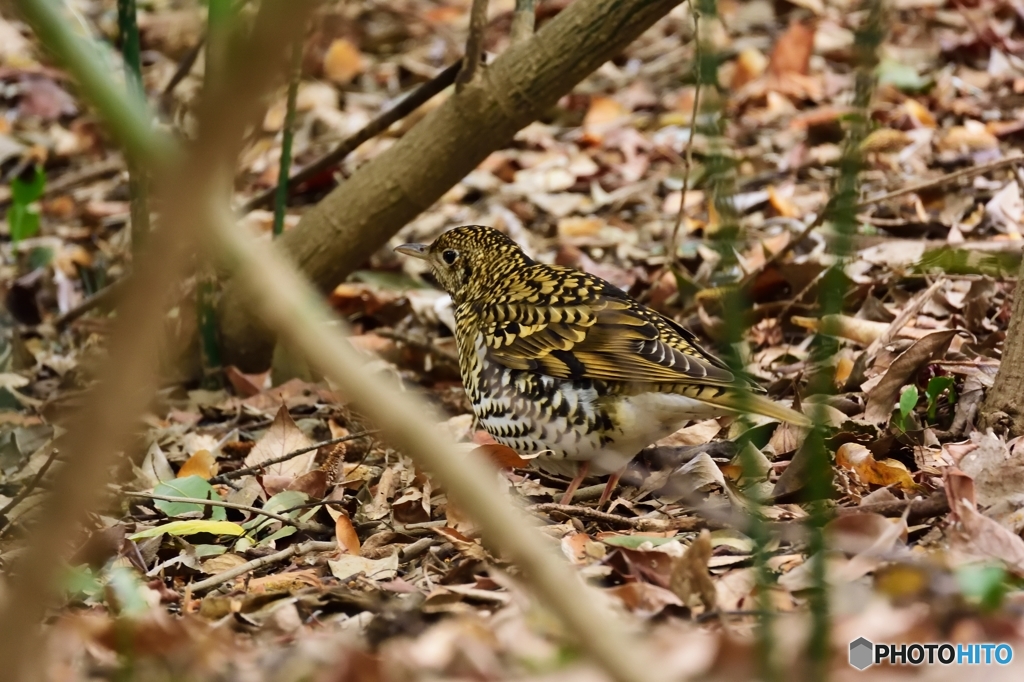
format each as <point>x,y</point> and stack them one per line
<point>644,599</point>
<point>985,537</point>
<point>882,397</point>
<point>603,114</point>
<point>343,62</point>
<point>502,456</point>
<point>313,483</point>
<point>281,438</point>
<point>856,533</point>
<point>792,52</point>
<point>345,532</point>
<point>246,385</point>
<point>201,464</point>
<point>690,580</point>
<point>886,472</point>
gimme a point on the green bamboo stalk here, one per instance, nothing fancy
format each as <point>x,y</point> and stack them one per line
<point>220,14</point>
<point>719,178</point>
<point>842,211</point>
<point>285,167</point>
<point>138,185</point>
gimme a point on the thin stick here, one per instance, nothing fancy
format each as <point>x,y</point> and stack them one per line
<point>238,473</point>
<point>270,559</point>
<point>944,180</point>
<point>414,101</point>
<point>904,317</point>
<point>928,184</point>
<point>184,67</point>
<point>424,345</point>
<point>27,490</point>
<point>287,134</point>
<point>523,21</point>
<point>673,261</point>
<point>474,44</point>
<point>307,527</point>
<point>935,505</point>
<point>107,296</point>
<point>688,523</point>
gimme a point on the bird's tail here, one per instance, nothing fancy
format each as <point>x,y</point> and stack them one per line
<point>746,402</point>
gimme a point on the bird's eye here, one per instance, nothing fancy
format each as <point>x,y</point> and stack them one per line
<point>449,256</point>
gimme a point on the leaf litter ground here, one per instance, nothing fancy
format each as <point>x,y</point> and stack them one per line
<point>263,531</point>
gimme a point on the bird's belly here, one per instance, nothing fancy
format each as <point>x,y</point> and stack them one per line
<point>533,413</point>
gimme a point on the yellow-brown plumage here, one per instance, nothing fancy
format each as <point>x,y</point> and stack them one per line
<point>554,359</point>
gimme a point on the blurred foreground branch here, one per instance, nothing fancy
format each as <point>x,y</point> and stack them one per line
<point>103,427</point>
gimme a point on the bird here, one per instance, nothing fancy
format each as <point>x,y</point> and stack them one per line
<point>564,365</point>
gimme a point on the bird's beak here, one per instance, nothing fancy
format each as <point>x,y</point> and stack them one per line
<point>415,250</point>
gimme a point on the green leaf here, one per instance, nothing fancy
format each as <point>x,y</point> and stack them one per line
<point>23,221</point>
<point>127,590</point>
<point>936,387</point>
<point>25,191</point>
<point>190,486</point>
<point>191,527</point>
<point>983,584</point>
<point>284,500</point>
<point>81,582</point>
<point>901,76</point>
<point>908,401</point>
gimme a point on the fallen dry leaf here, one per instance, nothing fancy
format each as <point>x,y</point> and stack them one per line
<point>283,437</point>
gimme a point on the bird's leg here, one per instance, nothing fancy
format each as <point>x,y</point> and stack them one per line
<point>581,473</point>
<point>609,488</point>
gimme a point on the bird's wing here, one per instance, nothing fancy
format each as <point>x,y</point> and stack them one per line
<point>573,326</point>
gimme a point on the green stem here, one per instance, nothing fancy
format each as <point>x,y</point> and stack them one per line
<point>138,186</point>
<point>285,169</point>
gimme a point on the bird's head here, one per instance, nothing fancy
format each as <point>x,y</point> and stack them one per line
<point>469,261</point>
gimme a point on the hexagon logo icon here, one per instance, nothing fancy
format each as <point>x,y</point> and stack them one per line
<point>862,653</point>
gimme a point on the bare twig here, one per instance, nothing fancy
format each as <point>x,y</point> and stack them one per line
<point>422,344</point>
<point>301,525</point>
<point>31,485</point>
<point>673,260</point>
<point>276,558</point>
<point>183,69</point>
<point>107,296</point>
<point>934,505</point>
<point>909,312</point>
<point>414,101</point>
<point>474,44</point>
<point>688,523</point>
<point>245,471</point>
<point>943,180</point>
<point>523,21</point>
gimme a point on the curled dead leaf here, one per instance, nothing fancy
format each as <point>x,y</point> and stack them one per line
<point>201,463</point>
<point>856,457</point>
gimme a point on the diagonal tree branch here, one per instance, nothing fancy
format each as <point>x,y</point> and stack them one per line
<point>342,231</point>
